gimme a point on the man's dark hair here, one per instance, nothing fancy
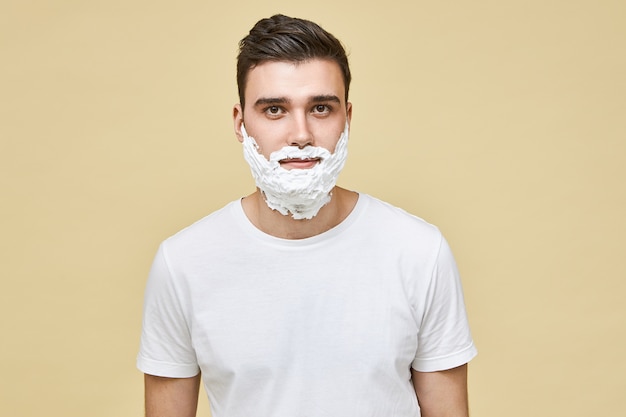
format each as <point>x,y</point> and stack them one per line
<point>283,38</point>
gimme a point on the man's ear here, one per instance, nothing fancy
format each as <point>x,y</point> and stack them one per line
<point>238,121</point>
<point>349,112</point>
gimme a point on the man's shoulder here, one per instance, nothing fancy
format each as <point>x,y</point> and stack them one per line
<point>216,223</point>
<point>388,215</point>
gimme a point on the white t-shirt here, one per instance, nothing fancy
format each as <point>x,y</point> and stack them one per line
<point>324,326</point>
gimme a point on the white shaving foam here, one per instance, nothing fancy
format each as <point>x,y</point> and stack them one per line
<point>301,192</point>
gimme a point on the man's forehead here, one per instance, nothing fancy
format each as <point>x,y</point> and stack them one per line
<point>306,80</point>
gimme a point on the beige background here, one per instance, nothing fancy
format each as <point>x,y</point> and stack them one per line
<point>503,122</point>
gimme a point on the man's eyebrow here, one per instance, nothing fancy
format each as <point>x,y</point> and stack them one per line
<point>263,101</point>
<point>325,97</point>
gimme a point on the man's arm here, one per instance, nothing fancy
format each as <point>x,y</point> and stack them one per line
<point>442,393</point>
<point>171,397</point>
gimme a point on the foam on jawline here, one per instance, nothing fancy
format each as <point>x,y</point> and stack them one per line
<point>299,192</point>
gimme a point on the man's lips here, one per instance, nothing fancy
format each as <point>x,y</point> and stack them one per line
<point>298,163</point>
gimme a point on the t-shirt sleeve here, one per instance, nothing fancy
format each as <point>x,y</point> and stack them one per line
<point>444,338</point>
<point>165,349</point>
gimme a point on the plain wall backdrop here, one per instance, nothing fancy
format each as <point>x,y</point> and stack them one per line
<point>502,122</point>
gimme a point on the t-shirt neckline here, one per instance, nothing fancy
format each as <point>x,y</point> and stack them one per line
<point>251,229</point>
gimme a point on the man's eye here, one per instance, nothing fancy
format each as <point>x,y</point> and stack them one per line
<point>273,110</point>
<point>321,108</point>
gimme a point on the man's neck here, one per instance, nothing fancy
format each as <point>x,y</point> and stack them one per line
<point>286,227</point>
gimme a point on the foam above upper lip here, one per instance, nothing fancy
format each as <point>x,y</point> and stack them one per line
<point>299,159</point>
<point>295,153</point>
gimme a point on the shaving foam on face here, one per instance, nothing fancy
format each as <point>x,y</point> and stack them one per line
<point>301,192</point>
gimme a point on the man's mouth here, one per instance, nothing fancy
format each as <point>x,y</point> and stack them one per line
<point>299,163</point>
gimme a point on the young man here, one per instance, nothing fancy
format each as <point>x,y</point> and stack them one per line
<point>303,298</point>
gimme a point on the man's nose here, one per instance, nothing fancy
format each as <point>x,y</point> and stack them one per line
<point>302,135</point>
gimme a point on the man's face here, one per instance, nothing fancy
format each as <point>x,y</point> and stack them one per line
<point>289,104</point>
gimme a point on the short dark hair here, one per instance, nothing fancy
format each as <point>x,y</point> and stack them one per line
<point>284,38</point>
